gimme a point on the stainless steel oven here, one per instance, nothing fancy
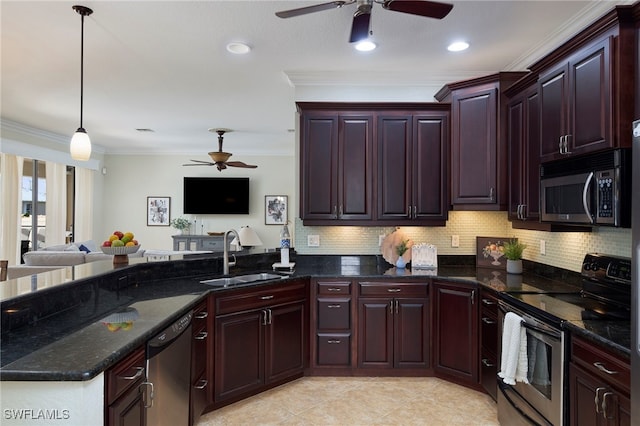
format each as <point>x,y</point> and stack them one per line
<point>539,402</point>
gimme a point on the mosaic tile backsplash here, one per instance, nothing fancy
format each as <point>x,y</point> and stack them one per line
<point>563,249</point>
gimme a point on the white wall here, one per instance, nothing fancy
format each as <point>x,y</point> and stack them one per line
<point>130,179</point>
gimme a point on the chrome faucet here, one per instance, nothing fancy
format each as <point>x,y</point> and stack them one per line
<point>225,260</point>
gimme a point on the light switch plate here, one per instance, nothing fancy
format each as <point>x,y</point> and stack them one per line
<point>381,239</point>
<point>543,247</point>
<point>455,241</point>
<point>313,240</point>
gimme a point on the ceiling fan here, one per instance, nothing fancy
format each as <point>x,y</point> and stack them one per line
<point>362,16</point>
<point>220,157</point>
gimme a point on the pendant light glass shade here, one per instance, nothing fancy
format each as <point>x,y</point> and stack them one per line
<point>80,147</point>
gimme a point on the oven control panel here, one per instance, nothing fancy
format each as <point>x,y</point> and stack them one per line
<point>606,268</point>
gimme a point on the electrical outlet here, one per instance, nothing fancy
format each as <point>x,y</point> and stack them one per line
<point>543,247</point>
<point>313,240</point>
<point>381,239</point>
<point>455,241</point>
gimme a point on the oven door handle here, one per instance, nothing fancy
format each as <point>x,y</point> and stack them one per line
<point>585,193</point>
<point>543,333</point>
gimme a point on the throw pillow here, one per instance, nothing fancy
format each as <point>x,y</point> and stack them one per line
<point>84,248</point>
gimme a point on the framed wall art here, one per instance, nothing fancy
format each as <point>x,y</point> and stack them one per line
<point>490,252</point>
<point>276,209</point>
<point>158,211</point>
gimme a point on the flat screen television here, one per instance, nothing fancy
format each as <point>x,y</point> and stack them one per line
<point>204,195</point>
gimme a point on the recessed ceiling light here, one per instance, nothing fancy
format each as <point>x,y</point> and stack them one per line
<point>365,46</point>
<point>458,46</point>
<point>238,48</point>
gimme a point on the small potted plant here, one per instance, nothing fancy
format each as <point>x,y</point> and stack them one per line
<point>401,250</point>
<point>180,223</point>
<point>513,252</point>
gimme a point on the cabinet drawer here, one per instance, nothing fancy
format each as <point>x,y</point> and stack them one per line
<point>261,297</point>
<point>489,373</point>
<point>200,315</point>
<point>333,288</point>
<point>595,359</point>
<point>489,304</point>
<point>125,375</point>
<point>391,289</point>
<point>334,349</point>
<point>489,332</point>
<point>212,244</point>
<point>334,313</point>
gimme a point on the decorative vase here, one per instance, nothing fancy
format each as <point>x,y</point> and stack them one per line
<point>178,231</point>
<point>400,263</point>
<point>514,266</point>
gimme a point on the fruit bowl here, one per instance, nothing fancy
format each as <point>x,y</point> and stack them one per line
<point>120,250</point>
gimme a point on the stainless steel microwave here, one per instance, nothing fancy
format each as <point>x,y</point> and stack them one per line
<point>593,189</point>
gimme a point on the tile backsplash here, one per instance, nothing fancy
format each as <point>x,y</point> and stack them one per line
<point>563,249</point>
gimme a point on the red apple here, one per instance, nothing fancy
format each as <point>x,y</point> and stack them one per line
<point>119,234</point>
<point>106,244</point>
<point>135,242</point>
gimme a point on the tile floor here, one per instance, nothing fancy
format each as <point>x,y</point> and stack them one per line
<point>360,401</point>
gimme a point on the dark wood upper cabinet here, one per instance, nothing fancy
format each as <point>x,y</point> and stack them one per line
<point>412,172</point>
<point>369,163</point>
<point>586,89</point>
<point>478,141</point>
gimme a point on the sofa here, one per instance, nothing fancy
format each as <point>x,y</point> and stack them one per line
<point>69,255</point>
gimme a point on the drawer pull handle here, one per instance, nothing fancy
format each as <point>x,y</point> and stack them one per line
<point>605,406</point>
<point>334,289</point>
<point>201,336</point>
<point>334,306</point>
<point>487,363</point>
<point>488,320</point>
<point>604,369</point>
<point>488,302</point>
<point>148,396</point>
<point>333,341</point>
<point>201,384</point>
<point>394,290</point>
<point>201,315</point>
<point>596,400</point>
<point>266,297</point>
<point>139,371</point>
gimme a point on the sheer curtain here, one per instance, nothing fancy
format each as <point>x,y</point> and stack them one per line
<point>10,199</point>
<point>55,231</point>
<point>83,221</point>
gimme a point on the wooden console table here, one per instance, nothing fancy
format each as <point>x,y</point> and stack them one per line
<point>198,242</point>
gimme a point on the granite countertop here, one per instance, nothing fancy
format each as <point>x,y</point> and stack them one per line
<point>58,332</point>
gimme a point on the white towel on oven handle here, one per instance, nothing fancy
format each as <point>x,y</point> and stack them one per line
<point>513,361</point>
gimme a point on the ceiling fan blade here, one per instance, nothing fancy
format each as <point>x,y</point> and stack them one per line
<point>200,161</point>
<point>200,164</point>
<point>240,164</point>
<point>429,9</point>
<point>360,27</point>
<point>311,9</point>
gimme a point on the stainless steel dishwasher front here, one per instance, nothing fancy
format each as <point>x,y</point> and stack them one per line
<point>169,373</point>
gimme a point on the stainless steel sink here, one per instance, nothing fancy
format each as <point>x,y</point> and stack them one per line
<point>241,279</point>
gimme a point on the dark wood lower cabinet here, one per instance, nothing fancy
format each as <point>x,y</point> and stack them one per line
<point>125,391</point>
<point>255,348</point>
<point>455,331</point>
<point>393,332</point>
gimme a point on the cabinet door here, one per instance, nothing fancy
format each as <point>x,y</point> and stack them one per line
<point>355,181</point>
<point>285,341</point>
<point>375,333</point>
<point>429,171</point>
<point>239,354</point>
<point>129,410</point>
<point>319,155</point>
<point>455,322</point>
<point>590,100</point>
<point>394,166</point>
<point>411,333</point>
<point>531,199</point>
<point>474,147</point>
<point>553,88</point>
<point>516,138</point>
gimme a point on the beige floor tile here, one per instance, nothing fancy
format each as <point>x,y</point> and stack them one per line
<point>318,401</point>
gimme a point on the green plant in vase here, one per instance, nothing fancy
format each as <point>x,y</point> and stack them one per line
<point>401,249</point>
<point>513,250</point>
<point>180,223</point>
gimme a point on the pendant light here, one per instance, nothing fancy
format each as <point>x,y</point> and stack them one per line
<point>80,147</point>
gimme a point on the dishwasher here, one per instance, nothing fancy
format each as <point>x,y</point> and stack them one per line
<point>169,374</point>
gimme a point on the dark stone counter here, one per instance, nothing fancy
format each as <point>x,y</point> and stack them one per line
<point>58,331</point>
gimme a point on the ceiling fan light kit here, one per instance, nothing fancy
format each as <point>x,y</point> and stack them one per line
<point>219,157</point>
<point>80,146</point>
<point>362,16</point>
